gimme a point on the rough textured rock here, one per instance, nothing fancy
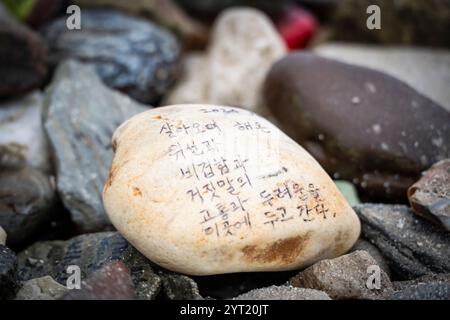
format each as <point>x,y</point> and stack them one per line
<point>430,196</point>
<point>111,282</point>
<point>360,124</point>
<point>226,190</point>
<point>81,117</point>
<point>44,288</point>
<point>283,293</point>
<point>179,287</point>
<point>244,44</point>
<point>164,12</point>
<point>426,70</point>
<point>430,287</point>
<point>365,245</point>
<point>402,22</point>
<point>413,246</point>
<point>27,197</point>
<point>21,128</point>
<point>23,57</point>
<point>2,236</point>
<point>344,277</point>
<point>8,283</point>
<point>90,252</point>
<point>138,58</point>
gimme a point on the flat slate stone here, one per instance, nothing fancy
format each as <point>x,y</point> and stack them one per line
<point>81,116</point>
<point>413,246</point>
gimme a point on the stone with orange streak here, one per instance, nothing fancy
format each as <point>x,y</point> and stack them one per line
<point>204,189</point>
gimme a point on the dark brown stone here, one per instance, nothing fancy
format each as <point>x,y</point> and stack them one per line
<point>360,124</point>
<point>23,57</point>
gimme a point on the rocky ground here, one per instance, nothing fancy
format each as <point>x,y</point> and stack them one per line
<point>372,107</point>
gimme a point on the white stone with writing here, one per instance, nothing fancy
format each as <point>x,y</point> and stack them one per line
<point>203,189</point>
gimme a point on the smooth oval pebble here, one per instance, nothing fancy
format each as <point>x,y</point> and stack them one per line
<point>202,189</point>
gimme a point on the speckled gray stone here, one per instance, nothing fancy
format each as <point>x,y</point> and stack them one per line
<point>283,293</point>
<point>365,245</point>
<point>90,252</point>
<point>178,287</point>
<point>429,287</point>
<point>413,246</point>
<point>8,281</point>
<point>44,288</point>
<point>344,277</point>
<point>129,54</point>
<point>81,117</point>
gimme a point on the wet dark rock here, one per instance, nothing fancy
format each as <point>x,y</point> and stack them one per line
<point>365,245</point>
<point>403,22</point>
<point>27,197</point>
<point>81,117</point>
<point>430,287</point>
<point>129,54</point>
<point>44,288</point>
<point>45,10</point>
<point>412,246</point>
<point>22,133</point>
<point>344,277</point>
<point>283,293</point>
<point>360,124</point>
<point>111,282</point>
<point>430,196</point>
<point>23,57</point>
<point>90,252</point>
<point>8,284</point>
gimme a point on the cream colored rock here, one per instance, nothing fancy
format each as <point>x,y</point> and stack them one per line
<point>2,236</point>
<point>202,189</point>
<point>244,45</point>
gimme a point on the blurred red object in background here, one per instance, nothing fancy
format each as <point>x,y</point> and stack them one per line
<point>297,26</point>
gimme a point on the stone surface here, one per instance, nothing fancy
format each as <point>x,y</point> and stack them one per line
<point>178,287</point>
<point>430,287</point>
<point>210,8</point>
<point>426,70</point>
<point>344,277</point>
<point>23,57</point>
<point>413,246</point>
<point>402,22</point>
<point>2,236</point>
<point>244,44</point>
<point>44,288</point>
<point>27,197</point>
<point>90,252</point>
<point>360,124</point>
<point>137,58</point>
<point>283,293</point>
<point>430,196</point>
<point>81,117</point>
<point>111,282</point>
<point>21,128</point>
<point>365,245</point>
<point>164,12</point>
<point>8,283</point>
<point>202,189</point>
